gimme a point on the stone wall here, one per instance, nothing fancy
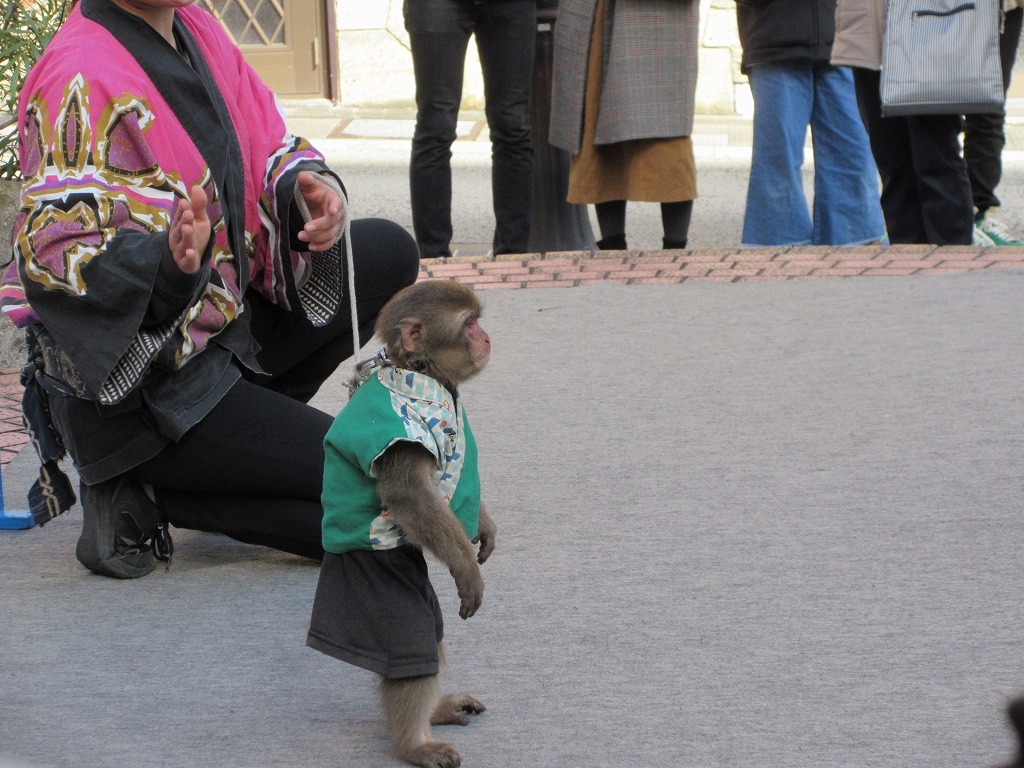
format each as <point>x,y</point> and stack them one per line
<point>721,89</point>
<point>376,66</point>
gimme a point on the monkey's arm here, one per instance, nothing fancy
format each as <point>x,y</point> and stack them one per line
<point>487,532</point>
<point>404,485</point>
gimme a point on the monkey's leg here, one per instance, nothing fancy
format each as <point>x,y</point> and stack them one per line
<point>454,709</point>
<point>408,705</point>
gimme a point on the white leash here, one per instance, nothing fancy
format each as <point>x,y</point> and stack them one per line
<point>351,264</point>
<point>362,369</point>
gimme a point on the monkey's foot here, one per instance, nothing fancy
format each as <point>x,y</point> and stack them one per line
<point>456,709</point>
<point>434,754</point>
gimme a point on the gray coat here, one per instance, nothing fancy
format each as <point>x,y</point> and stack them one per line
<point>650,70</point>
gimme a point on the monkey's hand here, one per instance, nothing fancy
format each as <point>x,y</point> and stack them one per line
<point>470,585</point>
<point>405,487</point>
<point>487,533</point>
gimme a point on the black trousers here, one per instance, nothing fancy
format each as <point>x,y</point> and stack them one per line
<point>926,195</point>
<point>253,467</point>
<point>984,135</point>
<point>439,32</point>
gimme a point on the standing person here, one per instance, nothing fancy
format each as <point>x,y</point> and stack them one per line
<point>622,103</point>
<point>439,32</point>
<point>178,267</point>
<point>985,137</point>
<point>786,50</point>
<point>926,195</point>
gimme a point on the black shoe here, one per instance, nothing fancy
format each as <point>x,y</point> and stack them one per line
<point>612,243</point>
<point>123,530</point>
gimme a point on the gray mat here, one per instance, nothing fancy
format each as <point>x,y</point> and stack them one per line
<point>763,524</point>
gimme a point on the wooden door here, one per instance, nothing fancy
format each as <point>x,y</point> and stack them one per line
<point>281,39</point>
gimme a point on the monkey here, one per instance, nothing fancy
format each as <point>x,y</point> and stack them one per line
<point>401,478</point>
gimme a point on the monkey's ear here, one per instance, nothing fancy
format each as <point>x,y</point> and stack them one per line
<point>414,336</point>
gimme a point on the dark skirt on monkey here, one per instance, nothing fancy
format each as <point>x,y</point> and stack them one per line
<point>378,610</point>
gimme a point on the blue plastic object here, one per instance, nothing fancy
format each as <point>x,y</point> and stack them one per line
<point>13,519</point>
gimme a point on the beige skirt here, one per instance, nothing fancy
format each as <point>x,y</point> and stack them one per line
<point>648,170</point>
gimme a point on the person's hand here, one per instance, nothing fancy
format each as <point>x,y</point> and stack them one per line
<point>328,217</point>
<point>190,231</point>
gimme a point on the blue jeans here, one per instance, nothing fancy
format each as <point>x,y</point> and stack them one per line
<point>439,32</point>
<point>788,97</point>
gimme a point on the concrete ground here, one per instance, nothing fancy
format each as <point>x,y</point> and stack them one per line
<point>741,524</point>
<point>751,524</point>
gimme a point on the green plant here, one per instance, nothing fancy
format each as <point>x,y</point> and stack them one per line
<point>25,28</point>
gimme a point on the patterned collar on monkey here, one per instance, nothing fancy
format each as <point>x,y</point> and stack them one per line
<point>380,360</point>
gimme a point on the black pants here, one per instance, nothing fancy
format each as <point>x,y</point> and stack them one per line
<point>926,195</point>
<point>439,32</point>
<point>984,135</point>
<point>253,467</point>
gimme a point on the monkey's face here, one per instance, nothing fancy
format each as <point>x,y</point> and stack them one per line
<point>463,351</point>
<point>478,344</point>
<point>434,327</point>
<point>460,351</point>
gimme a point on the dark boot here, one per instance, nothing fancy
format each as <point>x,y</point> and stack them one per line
<point>612,243</point>
<point>673,245</point>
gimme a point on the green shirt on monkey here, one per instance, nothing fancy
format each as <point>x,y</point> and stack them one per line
<point>393,405</point>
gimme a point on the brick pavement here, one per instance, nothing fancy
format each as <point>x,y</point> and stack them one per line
<point>12,433</point>
<point>724,265</point>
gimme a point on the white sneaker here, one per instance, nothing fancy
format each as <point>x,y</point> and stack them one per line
<point>996,233</point>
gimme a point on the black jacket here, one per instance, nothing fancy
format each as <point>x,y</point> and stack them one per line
<point>784,30</point>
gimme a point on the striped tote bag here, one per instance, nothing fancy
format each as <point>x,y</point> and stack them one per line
<point>941,57</point>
